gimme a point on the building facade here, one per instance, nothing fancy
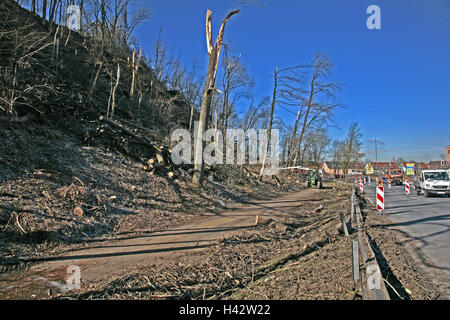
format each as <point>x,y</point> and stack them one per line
<point>447,153</point>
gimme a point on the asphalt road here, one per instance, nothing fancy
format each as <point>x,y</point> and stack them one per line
<point>424,221</point>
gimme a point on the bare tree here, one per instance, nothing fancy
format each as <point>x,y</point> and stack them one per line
<point>316,144</point>
<point>321,99</point>
<point>235,86</point>
<point>110,22</point>
<point>287,90</point>
<point>337,148</point>
<point>351,147</point>
<point>20,45</point>
<point>256,117</point>
<point>269,131</point>
<point>214,52</point>
<point>292,139</point>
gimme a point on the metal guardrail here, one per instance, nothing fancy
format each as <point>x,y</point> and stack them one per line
<point>365,265</point>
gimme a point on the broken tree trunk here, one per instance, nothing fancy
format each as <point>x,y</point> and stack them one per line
<point>214,52</point>
<point>96,77</point>
<point>269,131</point>
<point>131,134</point>
<point>134,68</point>
<point>110,113</point>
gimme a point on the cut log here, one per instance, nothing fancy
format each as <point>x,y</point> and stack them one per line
<point>160,157</point>
<point>78,211</point>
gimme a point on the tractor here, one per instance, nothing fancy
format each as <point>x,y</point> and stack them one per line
<point>314,179</point>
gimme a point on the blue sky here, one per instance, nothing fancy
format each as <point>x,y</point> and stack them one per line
<point>396,79</point>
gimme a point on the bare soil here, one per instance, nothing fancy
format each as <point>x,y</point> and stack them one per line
<point>145,236</point>
<point>292,243</point>
<point>52,174</point>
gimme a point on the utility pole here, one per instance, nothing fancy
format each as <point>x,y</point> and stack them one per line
<point>376,152</point>
<point>376,141</point>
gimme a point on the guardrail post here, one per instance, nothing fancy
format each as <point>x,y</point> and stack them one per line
<point>344,225</point>
<point>355,260</point>
<point>352,207</point>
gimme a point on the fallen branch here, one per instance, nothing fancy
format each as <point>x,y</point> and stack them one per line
<point>142,138</point>
<point>18,223</point>
<point>390,285</point>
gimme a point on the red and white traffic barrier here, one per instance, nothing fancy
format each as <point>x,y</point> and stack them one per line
<point>389,184</point>
<point>380,198</point>
<point>407,190</point>
<point>361,186</point>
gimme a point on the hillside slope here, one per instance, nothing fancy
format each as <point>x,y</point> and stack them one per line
<point>66,174</point>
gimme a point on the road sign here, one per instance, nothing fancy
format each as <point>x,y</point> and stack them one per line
<point>410,169</point>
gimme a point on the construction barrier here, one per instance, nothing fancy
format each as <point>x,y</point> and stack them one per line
<point>407,190</point>
<point>380,198</point>
<point>389,184</point>
<point>379,182</point>
<point>361,186</point>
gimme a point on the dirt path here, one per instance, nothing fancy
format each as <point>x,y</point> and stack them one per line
<point>110,258</point>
